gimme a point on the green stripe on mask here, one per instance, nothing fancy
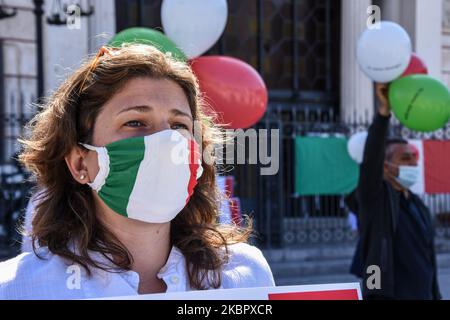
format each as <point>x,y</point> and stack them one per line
<point>125,157</point>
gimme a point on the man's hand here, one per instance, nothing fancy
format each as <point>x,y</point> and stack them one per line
<point>382,94</point>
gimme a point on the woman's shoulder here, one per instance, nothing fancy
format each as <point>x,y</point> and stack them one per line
<point>244,252</point>
<point>17,267</point>
<point>247,267</point>
<point>27,276</point>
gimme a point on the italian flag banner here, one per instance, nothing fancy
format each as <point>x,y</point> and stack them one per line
<point>434,163</point>
<point>324,167</point>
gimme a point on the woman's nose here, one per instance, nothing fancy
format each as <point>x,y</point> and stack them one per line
<point>161,126</point>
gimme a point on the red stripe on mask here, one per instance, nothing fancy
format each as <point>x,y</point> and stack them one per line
<point>194,157</point>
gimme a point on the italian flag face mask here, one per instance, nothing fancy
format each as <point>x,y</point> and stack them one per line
<point>148,178</point>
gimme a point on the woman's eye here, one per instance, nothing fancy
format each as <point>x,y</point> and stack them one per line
<point>134,124</point>
<point>179,126</point>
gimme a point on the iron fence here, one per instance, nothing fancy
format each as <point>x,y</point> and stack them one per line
<point>17,93</point>
<point>284,218</point>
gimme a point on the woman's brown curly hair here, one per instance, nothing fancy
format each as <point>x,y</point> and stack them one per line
<point>65,209</point>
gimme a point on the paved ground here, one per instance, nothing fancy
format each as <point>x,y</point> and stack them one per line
<point>444,282</point>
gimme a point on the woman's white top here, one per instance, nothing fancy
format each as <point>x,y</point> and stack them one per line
<point>28,277</point>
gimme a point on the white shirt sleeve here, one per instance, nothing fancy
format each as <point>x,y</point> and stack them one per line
<point>246,268</point>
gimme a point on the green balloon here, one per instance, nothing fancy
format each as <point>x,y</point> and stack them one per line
<point>420,102</point>
<point>147,36</point>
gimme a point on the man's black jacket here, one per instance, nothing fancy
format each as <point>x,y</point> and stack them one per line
<point>379,207</point>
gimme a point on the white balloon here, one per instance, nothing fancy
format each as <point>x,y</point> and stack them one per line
<point>194,25</point>
<point>355,146</point>
<point>384,53</point>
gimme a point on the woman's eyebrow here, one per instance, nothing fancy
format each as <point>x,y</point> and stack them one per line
<point>136,108</point>
<point>178,112</point>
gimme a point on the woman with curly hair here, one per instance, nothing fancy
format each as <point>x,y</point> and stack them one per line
<point>127,201</point>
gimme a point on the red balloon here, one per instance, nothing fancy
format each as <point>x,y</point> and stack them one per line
<point>416,66</point>
<point>233,89</point>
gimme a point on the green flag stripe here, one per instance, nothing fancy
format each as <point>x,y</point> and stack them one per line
<point>324,167</point>
<point>128,155</point>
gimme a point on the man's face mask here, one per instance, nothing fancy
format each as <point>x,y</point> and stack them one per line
<point>148,178</point>
<point>408,175</point>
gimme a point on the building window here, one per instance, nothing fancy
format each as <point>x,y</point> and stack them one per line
<point>294,44</point>
<point>142,13</point>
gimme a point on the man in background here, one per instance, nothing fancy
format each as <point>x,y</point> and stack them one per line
<point>395,225</point>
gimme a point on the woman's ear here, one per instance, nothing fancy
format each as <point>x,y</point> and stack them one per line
<point>77,164</point>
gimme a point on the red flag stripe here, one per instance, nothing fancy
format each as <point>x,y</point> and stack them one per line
<point>437,166</point>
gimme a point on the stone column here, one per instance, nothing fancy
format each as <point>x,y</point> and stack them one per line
<point>428,34</point>
<point>422,19</point>
<point>102,25</point>
<point>64,49</point>
<point>356,89</point>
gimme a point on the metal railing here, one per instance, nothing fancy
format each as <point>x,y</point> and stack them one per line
<point>17,93</point>
<point>14,194</point>
<point>282,217</point>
